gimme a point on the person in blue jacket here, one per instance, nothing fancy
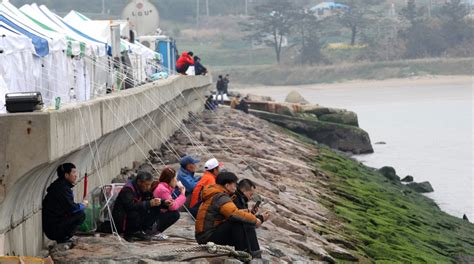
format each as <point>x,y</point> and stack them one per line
<point>61,215</point>
<point>186,173</point>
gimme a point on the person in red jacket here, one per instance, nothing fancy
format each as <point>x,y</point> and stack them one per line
<point>184,61</point>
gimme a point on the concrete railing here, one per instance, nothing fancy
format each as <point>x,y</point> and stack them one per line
<point>100,136</point>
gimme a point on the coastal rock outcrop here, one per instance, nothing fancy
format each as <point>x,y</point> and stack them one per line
<point>389,173</point>
<point>421,187</point>
<point>341,137</point>
<point>408,178</point>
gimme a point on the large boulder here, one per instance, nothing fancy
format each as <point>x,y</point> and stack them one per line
<point>341,137</point>
<point>421,187</point>
<point>389,173</point>
<point>295,98</point>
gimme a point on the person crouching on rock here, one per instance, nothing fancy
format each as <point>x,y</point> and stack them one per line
<point>164,191</point>
<point>61,215</point>
<point>245,191</point>
<point>220,221</point>
<point>135,211</point>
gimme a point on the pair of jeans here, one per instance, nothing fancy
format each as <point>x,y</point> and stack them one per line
<point>237,234</point>
<point>66,227</point>
<point>220,93</point>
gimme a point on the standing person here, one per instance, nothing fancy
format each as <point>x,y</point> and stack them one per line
<point>164,191</point>
<point>226,82</point>
<point>220,89</point>
<point>199,69</point>
<point>221,222</point>
<point>184,61</point>
<point>186,173</point>
<point>135,210</point>
<point>61,215</point>
<point>212,168</point>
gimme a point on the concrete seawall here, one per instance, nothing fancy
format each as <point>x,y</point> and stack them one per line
<point>100,136</point>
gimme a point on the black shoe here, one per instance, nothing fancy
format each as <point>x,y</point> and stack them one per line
<point>257,254</point>
<point>137,236</point>
<point>64,241</point>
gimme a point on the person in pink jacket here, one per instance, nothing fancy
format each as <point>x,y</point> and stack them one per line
<point>164,190</point>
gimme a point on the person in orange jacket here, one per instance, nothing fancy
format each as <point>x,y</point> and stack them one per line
<point>220,221</point>
<point>184,61</point>
<point>212,168</point>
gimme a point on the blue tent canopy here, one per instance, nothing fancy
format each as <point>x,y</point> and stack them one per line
<point>329,6</point>
<point>40,44</point>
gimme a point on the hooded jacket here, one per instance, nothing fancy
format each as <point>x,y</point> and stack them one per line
<point>59,203</point>
<point>183,60</point>
<point>216,208</point>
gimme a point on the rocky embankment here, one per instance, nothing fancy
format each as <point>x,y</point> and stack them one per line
<point>326,207</point>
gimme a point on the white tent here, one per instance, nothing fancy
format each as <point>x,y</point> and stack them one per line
<point>19,69</point>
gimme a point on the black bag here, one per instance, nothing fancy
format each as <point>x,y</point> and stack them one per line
<point>23,102</point>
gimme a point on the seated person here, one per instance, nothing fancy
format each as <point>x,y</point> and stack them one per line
<point>243,105</point>
<point>184,61</point>
<point>186,173</point>
<point>199,69</point>
<point>164,191</point>
<point>135,210</point>
<point>61,215</point>
<point>210,103</point>
<point>235,101</point>
<point>212,168</point>
<point>221,222</point>
<point>244,193</point>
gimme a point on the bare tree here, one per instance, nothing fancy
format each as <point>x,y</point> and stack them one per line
<point>270,24</point>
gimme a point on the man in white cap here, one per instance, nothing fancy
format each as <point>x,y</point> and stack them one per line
<point>212,168</point>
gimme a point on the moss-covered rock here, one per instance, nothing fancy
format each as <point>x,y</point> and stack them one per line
<point>343,117</point>
<point>341,137</point>
<point>333,115</point>
<point>391,223</point>
<point>421,187</point>
<point>389,173</point>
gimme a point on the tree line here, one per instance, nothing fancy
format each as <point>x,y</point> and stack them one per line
<point>412,32</point>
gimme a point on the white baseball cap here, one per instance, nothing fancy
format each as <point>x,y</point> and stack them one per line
<point>212,164</point>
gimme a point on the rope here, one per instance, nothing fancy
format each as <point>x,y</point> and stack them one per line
<point>213,248</point>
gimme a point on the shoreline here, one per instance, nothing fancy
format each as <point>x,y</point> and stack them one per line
<point>360,83</point>
<point>426,89</point>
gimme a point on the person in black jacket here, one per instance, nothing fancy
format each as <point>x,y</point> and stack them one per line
<point>135,211</point>
<point>199,69</point>
<point>244,193</point>
<point>61,215</point>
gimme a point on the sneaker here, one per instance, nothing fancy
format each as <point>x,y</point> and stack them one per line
<point>159,237</point>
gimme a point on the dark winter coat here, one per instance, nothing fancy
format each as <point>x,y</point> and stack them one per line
<point>59,203</point>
